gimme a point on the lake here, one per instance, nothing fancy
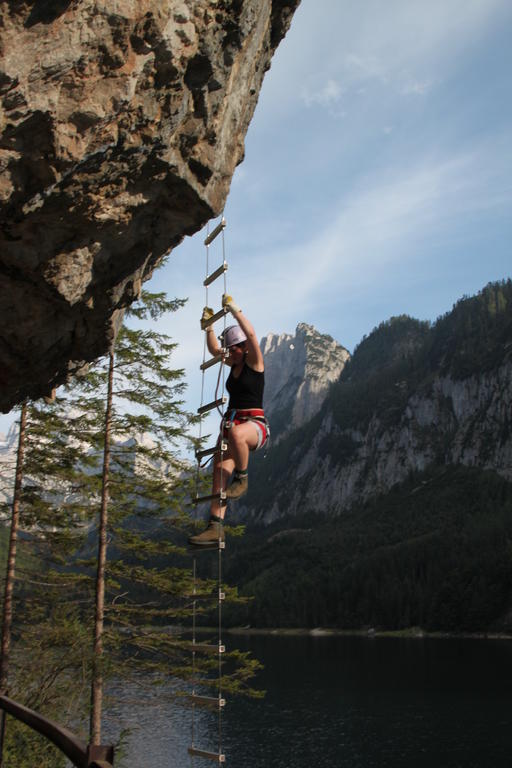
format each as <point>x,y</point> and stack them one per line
<point>352,702</point>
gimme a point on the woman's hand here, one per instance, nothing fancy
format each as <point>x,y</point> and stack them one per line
<point>254,356</point>
<point>207,315</point>
<point>227,301</point>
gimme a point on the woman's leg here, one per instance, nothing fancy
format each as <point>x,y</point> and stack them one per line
<point>242,438</point>
<point>214,532</point>
<point>222,471</point>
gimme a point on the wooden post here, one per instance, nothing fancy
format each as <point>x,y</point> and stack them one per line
<point>97,674</point>
<point>100,755</point>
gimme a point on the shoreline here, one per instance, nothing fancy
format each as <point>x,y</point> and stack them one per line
<point>412,632</point>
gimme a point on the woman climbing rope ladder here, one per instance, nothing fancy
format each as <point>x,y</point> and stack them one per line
<point>243,426</point>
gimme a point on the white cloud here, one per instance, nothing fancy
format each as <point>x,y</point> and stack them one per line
<point>408,46</point>
<point>359,67</point>
<point>380,224</point>
<point>326,96</point>
<point>416,87</point>
<point>372,230</point>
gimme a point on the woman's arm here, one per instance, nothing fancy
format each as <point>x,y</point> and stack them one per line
<point>254,356</point>
<point>211,339</point>
<point>212,343</point>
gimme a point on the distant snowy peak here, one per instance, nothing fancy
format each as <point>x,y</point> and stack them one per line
<point>137,461</point>
<point>8,449</point>
<point>9,442</point>
<point>299,369</point>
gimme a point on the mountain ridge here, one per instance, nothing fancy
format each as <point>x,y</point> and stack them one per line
<point>434,394</point>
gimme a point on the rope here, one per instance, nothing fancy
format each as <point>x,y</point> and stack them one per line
<point>220,382</point>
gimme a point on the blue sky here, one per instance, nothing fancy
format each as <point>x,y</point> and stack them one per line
<point>378,172</point>
<point>377,178</point>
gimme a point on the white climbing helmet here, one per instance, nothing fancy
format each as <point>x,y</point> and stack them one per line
<point>231,336</point>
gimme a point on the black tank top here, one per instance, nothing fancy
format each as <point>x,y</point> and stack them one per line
<point>246,390</point>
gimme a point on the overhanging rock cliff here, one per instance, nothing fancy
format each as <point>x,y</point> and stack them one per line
<point>121,125</point>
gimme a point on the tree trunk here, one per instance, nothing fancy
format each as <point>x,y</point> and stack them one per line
<point>10,572</point>
<point>97,675</point>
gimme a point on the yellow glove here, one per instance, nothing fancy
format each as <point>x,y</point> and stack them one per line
<point>207,315</point>
<point>227,301</point>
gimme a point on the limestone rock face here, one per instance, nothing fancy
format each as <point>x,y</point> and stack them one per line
<point>298,372</point>
<point>457,421</point>
<point>414,396</point>
<point>462,421</point>
<point>121,124</point>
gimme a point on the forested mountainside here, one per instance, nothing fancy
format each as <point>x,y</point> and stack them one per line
<point>414,396</point>
<point>434,552</point>
<point>392,507</point>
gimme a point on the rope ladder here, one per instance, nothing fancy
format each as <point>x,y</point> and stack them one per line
<point>217,648</point>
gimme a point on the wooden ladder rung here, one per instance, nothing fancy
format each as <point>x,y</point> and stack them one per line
<point>215,544</point>
<point>214,275</point>
<point>218,229</point>
<point>213,319</point>
<point>212,361</point>
<point>219,596</point>
<point>217,702</point>
<point>211,497</point>
<point>218,757</point>
<point>207,648</point>
<point>212,405</point>
<point>222,448</point>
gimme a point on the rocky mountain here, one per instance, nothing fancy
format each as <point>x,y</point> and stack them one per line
<point>121,125</point>
<point>412,397</point>
<point>132,449</point>
<point>299,369</point>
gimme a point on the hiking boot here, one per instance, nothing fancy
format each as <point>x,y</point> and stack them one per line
<point>238,487</point>
<point>209,537</point>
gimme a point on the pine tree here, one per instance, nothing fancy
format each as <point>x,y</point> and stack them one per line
<point>146,484</point>
<point>10,574</point>
<point>33,610</point>
<point>73,476</point>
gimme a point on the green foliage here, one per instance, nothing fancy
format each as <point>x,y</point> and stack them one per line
<point>149,586</point>
<point>435,552</point>
<point>394,340</point>
<point>24,748</point>
<point>148,589</point>
<point>49,664</point>
<point>476,334</point>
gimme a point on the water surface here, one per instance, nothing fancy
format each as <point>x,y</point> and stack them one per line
<point>346,701</point>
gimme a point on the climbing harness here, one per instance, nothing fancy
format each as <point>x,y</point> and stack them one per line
<point>217,648</point>
<point>255,415</point>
